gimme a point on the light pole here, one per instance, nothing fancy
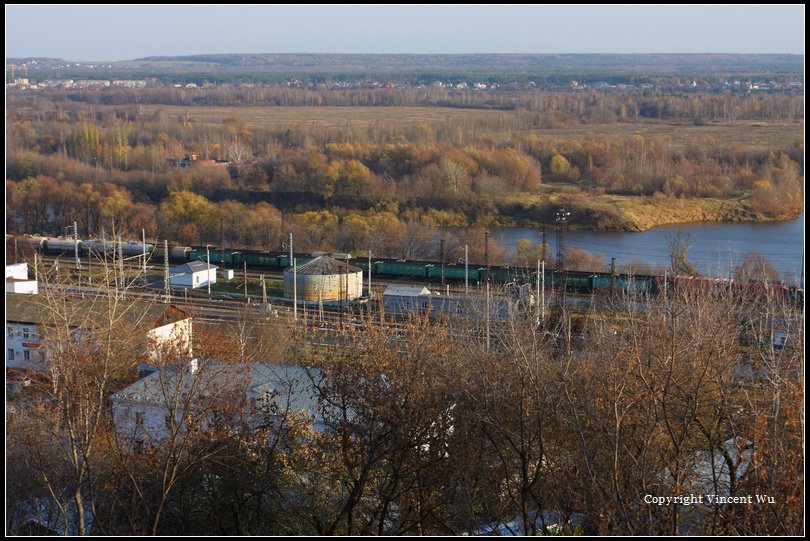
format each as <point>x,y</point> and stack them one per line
<point>208,267</point>
<point>562,221</point>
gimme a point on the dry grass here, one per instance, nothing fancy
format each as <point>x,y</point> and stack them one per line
<point>678,134</point>
<point>757,134</point>
<point>327,116</point>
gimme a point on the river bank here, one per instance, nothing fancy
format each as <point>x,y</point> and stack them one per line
<point>632,213</point>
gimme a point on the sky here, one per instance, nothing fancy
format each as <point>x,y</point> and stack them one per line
<point>108,33</point>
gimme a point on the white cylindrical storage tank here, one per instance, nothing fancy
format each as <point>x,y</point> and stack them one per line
<point>324,279</point>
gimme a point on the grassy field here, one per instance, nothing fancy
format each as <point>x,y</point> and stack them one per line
<point>328,116</point>
<point>754,134</point>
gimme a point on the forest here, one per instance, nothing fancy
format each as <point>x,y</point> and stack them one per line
<point>363,169</point>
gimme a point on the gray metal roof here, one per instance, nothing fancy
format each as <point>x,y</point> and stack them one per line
<point>192,266</point>
<point>324,265</point>
<point>399,290</point>
<point>85,313</point>
<point>292,386</point>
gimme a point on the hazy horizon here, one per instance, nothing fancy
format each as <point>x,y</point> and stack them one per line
<point>113,33</point>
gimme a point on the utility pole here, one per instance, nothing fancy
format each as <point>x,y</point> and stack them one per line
<point>441,257</point>
<point>166,281</point>
<point>543,291</point>
<point>369,275</point>
<point>244,277</point>
<point>537,297</point>
<point>466,269</point>
<point>612,276</point>
<point>291,247</point>
<point>487,316</point>
<point>562,221</point>
<point>295,286</point>
<point>545,241</point>
<point>320,304</point>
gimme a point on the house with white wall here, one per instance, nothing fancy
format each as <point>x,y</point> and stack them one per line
<point>202,392</point>
<point>192,275</point>
<point>17,280</point>
<point>30,319</point>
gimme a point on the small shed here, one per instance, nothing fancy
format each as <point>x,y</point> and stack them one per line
<point>402,299</point>
<point>192,275</point>
<point>17,280</point>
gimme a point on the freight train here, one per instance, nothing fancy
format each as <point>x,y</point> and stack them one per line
<point>585,282</point>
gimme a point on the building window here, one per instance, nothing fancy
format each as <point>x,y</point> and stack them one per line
<point>268,402</point>
<point>137,447</point>
<point>26,355</point>
<point>25,333</point>
<point>138,418</point>
<point>10,354</point>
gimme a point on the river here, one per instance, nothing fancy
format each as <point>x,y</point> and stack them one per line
<point>712,246</point>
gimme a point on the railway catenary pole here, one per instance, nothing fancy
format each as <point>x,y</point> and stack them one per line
<point>347,281</point>
<point>562,222</point>
<point>121,262</point>
<point>441,257</point>
<point>295,287</point>
<point>340,297</point>
<point>143,243</point>
<point>291,247</point>
<point>466,269</point>
<point>487,316</point>
<point>166,278</point>
<point>369,275</point>
<point>264,291</point>
<point>244,278</point>
<point>486,252</point>
<point>76,245</point>
<point>208,268</point>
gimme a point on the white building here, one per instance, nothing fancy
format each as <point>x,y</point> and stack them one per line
<point>167,401</point>
<point>17,280</point>
<point>192,275</point>
<point>165,328</point>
